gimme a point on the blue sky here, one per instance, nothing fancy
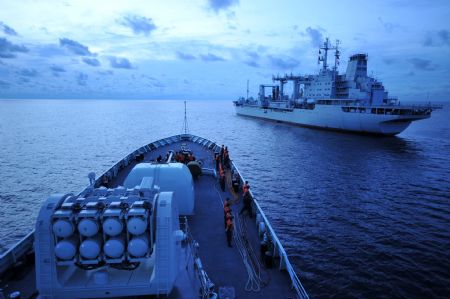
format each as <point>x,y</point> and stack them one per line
<point>207,49</point>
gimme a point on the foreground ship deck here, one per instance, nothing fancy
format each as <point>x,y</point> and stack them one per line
<point>226,267</point>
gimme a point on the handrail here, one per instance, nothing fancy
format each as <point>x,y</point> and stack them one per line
<point>13,254</point>
<point>297,285</point>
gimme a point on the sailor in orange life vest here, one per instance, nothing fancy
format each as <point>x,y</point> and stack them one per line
<point>222,179</point>
<point>247,201</point>
<point>245,187</point>
<point>226,210</point>
<point>229,229</point>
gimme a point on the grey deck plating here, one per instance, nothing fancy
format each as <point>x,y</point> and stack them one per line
<point>223,265</point>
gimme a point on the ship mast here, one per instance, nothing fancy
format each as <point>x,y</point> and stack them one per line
<point>324,58</point>
<point>185,124</point>
<point>247,89</point>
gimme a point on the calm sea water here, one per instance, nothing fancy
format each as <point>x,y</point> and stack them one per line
<point>360,216</point>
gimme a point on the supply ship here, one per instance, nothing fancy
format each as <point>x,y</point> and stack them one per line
<point>353,101</point>
<point>153,225</point>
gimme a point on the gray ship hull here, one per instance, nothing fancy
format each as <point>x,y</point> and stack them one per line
<point>332,117</point>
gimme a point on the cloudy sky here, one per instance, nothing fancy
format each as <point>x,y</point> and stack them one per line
<point>207,49</point>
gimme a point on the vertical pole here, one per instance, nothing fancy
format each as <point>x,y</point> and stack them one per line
<point>247,88</point>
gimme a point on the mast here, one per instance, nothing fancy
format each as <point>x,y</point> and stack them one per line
<point>247,89</point>
<point>185,124</point>
<point>324,58</point>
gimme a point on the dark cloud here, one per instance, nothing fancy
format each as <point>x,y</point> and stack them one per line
<point>286,63</point>
<point>75,47</point>
<point>9,50</point>
<point>252,63</point>
<point>82,79</point>
<point>28,72</point>
<point>218,5</point>
<point>105,73</point>
<point>315,35</point>
<point>6,29</point>
<point>437,38</point>
<point>139,24</point>
<point>389,61</point>
<point>91,61</point>
<point>120,63</point>
<point>211,57</point>
<point>388,27</point>
<point>253,55</point>
<point>58,69</point>
<point>422,64</point>
<point>185,56</point>
<point>4,84</point>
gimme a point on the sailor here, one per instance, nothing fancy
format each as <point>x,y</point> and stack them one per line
<point>222,149</point>
<point>159,159</point>
<point>229,229</point>
<point>226,158</point>
<point>235,182</point>
<point>247,201</point>
<point>217,160</point>
<point>222,179</point>
<point>245,187</point>
<point>226,211</point>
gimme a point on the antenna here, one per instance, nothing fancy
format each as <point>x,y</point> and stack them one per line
<point>185,125</point>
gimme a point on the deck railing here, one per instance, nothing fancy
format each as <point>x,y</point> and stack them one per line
<point>279,251</point>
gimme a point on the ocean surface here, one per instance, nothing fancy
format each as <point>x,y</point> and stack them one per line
<point>360,217</point>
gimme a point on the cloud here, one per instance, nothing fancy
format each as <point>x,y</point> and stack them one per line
<point>389,61</point>
<point>91,61</point>
<point>437,38</point>
<point>252,55</point>
<point>8,49</point>
<point>286,63</point>
<point>315,35</point>
<point>58,69</point>
<point>7,30</point>
<point>120,63</point>
<point>252,63</point>
<point>139,24</point>
<point>105,73</point>
<point>82,79</point>
<point>218,5</point>
<point>28,72</point>
<point>211,57</point>
<point>388,27</point>
<point>185,56</point>
<point>75,47</point>
<point>4,84</point>
<point>422,64</point>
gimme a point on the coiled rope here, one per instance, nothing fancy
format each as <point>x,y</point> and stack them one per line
<point>251,262</point>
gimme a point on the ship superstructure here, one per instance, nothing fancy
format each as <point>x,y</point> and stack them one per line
<point>352,101</point>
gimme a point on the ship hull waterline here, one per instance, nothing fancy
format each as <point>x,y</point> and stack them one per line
<point>330,117</point>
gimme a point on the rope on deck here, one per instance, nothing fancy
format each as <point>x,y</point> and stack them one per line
<point>251,262</point>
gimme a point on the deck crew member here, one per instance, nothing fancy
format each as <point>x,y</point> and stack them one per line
<point>226,158</point>
<point>247,201</point>
<point>217,160</point>
<point>222,149</point>
<point>229,229</point>
<point>245,187</point>
<point>222,179</point>
<point>226,210</point>
<point>235,182</point>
